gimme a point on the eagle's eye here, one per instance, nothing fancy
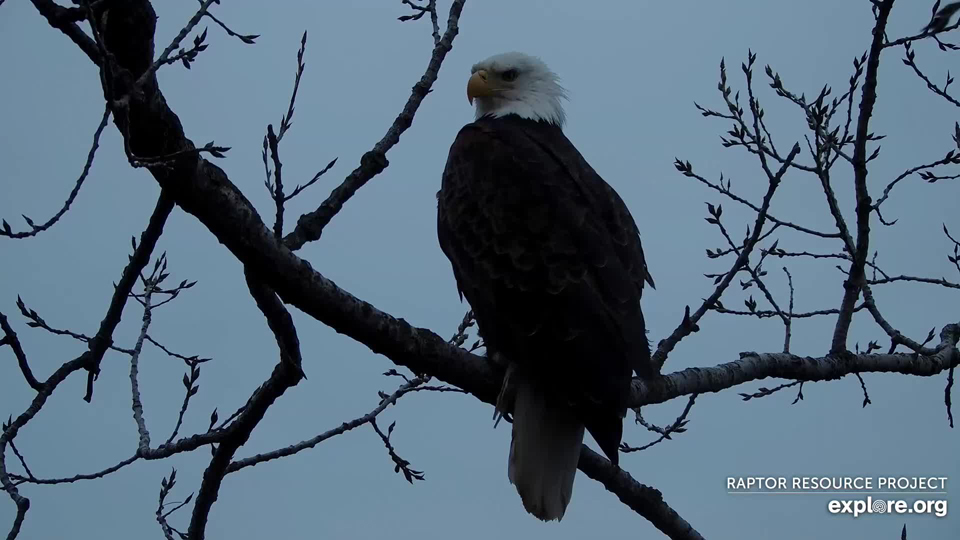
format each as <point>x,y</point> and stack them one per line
<point>509,75</point>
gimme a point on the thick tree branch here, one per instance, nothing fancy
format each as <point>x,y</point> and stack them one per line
<point>644,500</point>
<point>58,17</point>
<point>756,366</point>
<point>286,375</point>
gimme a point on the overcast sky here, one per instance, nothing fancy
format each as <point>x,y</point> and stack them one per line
<point>633,71</point>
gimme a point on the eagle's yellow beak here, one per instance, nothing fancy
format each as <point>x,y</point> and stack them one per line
<point>478,86</point>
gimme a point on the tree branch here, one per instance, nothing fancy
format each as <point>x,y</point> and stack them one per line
<point>10,338</point>
<point>141,255</point>
<point>310,226</point>
<point>864,207</point>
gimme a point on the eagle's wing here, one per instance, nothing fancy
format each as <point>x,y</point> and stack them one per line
<point>550,260</point>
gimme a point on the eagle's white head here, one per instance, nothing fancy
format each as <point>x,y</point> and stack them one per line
<point>516,83</point>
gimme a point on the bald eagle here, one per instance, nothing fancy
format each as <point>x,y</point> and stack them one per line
<point>549,258</point>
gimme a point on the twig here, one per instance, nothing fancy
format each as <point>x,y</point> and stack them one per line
<point>430,8</point>
<point>175,43</point>
<point>689,323</point>
<point>400,464</point>
<point>863,386</point>
<point>788,321</point>
<point>249,39</point>
<point>165,486</point>
<point>687,170</point>
<point>278,197</point>
<point>310,226</point>
<point>79,477</point>
<point>933,281</point>
<point>190,360</point>
<point>190,384</point>
<point>23,461</point>
<point>764,314</point>
<point>144,434</point>
<point>678,426</point>
<point>909,59</point>
<point>947,398</point>
<point>342,428</point>
<point>763,392</point>
<point>10,338</point>
<point>37,229</point>
<point>141,255</point>
<point>951,158</point>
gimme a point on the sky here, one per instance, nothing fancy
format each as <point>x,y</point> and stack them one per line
<point>633,71</point>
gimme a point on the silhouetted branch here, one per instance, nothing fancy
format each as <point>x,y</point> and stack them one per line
<point>59,17</point>
<point>644,500</point>
<point>400,464</point>
<point>788,320</point>
<point>10,338</point>
<point>149,286</point>
<point>419,11</point>
<point>910,60</point>
<point>165,55</point>
<point>678,426</point>
<point>162,514</point>
<point>933,281</point>
<point>863,206</point>
<point>286,374</point>
<point>763,392</point>
<point>689,323</point>
<point>37,229</point>
<point>249,39</point>
<point>141,255</point>
<point>78,477</point>
<point>310,226</point>
<point>342,428</point>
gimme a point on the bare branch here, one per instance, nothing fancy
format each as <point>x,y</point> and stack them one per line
<point>687,170</point>
<point>788,320</point>
<point>10,338</point>
<point>678,426</point>
<point>689,323</point>
<point>909,59</point>
<point>644,500</point>
<point>79,477</point>
<point>933,281</point>
<point>419,11</point>
<point>60,18</point>
<point>951,158</point>
<point>863,208</point>
<point>249,39</point>
<point>148,240</point>
<point>755,366</point>
<point>286,374</point>
<point>401,465</point>
<point>310,226</point>
<point>37,229</point>
<point>165,55</point>
<point>144,434</point>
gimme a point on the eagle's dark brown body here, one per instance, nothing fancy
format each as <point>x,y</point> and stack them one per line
<point>550,260</point>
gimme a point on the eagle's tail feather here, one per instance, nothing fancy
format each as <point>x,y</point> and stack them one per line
<point>544,451</point>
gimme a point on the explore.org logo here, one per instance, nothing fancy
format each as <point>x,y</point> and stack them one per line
<point>876,495</point>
